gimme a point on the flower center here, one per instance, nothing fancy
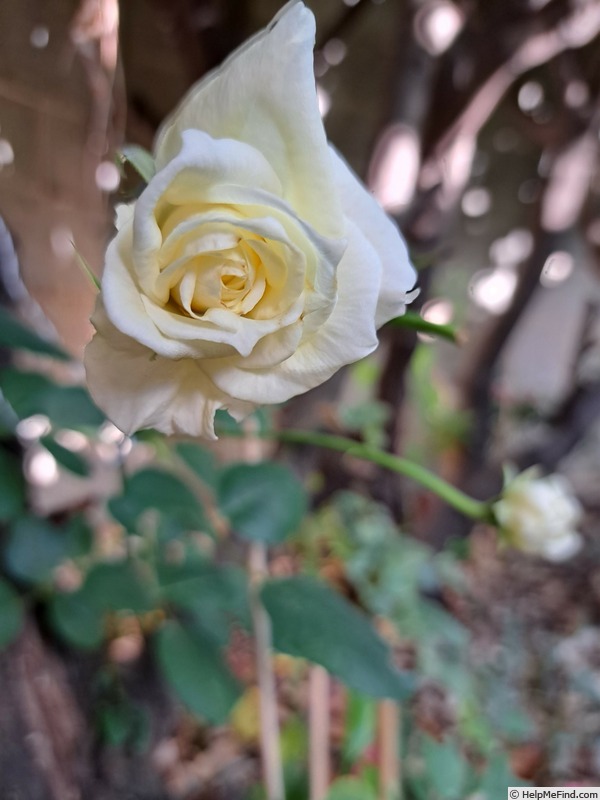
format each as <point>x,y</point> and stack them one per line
<point>214,270</point>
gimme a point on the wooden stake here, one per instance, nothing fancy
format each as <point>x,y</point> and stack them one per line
<point>390,777</point>
<point>319,731</point>
<point>269,721</point>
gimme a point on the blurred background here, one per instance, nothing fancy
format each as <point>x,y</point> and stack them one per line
<point>476,125</point>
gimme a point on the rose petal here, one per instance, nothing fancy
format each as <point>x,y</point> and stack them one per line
<point>219,333</point>
<point>137,389</point>
<point>202,163</point>
<point>347,336</point>
<point>264,94</point>
<point>218,326</point>
<point>399,276</point>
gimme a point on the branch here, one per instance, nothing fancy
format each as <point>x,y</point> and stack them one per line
<point>348,16</point>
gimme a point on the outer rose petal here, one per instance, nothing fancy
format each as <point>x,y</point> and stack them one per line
<point>138,389</point>
<point>264,94</point>
<point>361,208</point>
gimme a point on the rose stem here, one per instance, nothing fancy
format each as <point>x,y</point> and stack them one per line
<point>258,570</point>
<point>475,509</point>
<point>318,720</point>
<point>388,723</point>
<point>269,722</point>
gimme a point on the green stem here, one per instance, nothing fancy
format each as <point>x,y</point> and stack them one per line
<point>415,322</point>
<point>475,509</point>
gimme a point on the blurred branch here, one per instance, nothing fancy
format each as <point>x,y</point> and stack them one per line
<point>575,166</point>
<point>180,14</point>
<point>410,105</point>
<point>577,413</point>
<point>560,207</point>
<point>444,174</point>
<point>447,169</point>
<point>347,17</point>
<point>204,32</point>
<point>579,410</point>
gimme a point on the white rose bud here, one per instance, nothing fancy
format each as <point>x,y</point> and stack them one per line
<point>540,515</point>
<point>254,265</point>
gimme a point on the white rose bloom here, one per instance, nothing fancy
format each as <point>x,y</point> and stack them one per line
<point>540,515</point>
<point>254,265</point>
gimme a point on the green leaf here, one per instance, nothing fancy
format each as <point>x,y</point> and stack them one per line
<point>361,719</point>
<point>214,596</point>
<point>34,549</point>
<point>8,419</point>
<point>350,789</point>
<point>497,777</point>
<point>11,614</point>
<point>79,537</point>
<point>311,621</point>
<point>140,159</point>
<point>119,586</point>
<point>78,617</point>
<point>122,724</point>
<point>446,768</point>
<point>199,460</point>
<point>71,461</point>
<point>193,666</point>
<point>12,486</point>
<point>225,425</point>
<point>15,335</point>
<point>264,502</point>
<point>32,393</point>
<point>157,489</point>
<point>415,322</point>
<point>76,620</point>
<point>86,269</point>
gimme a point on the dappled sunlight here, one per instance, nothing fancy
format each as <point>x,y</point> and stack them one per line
<point>476,202</point>
<point>568,188</point>
<point>41,468</point>
<point>39,37</point>
<point>7,154</point>
<point>437,24</point>
<point>324,100</point>
<point>395,167</point>
<point>98,20</point>
<point>107,176</point>
<point>110,434</point>
<point>75,441</point>
<point>61,242</point>
<point>557,268</point>
<point>439,311</point>
<point>492,289</point>
<point>33,428</point>
<point>334,52</point>
<point>531,96</point>
<point>513,248</point>
<point>577,94</point>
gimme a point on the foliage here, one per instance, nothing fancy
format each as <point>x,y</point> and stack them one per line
<point>167,581</point>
